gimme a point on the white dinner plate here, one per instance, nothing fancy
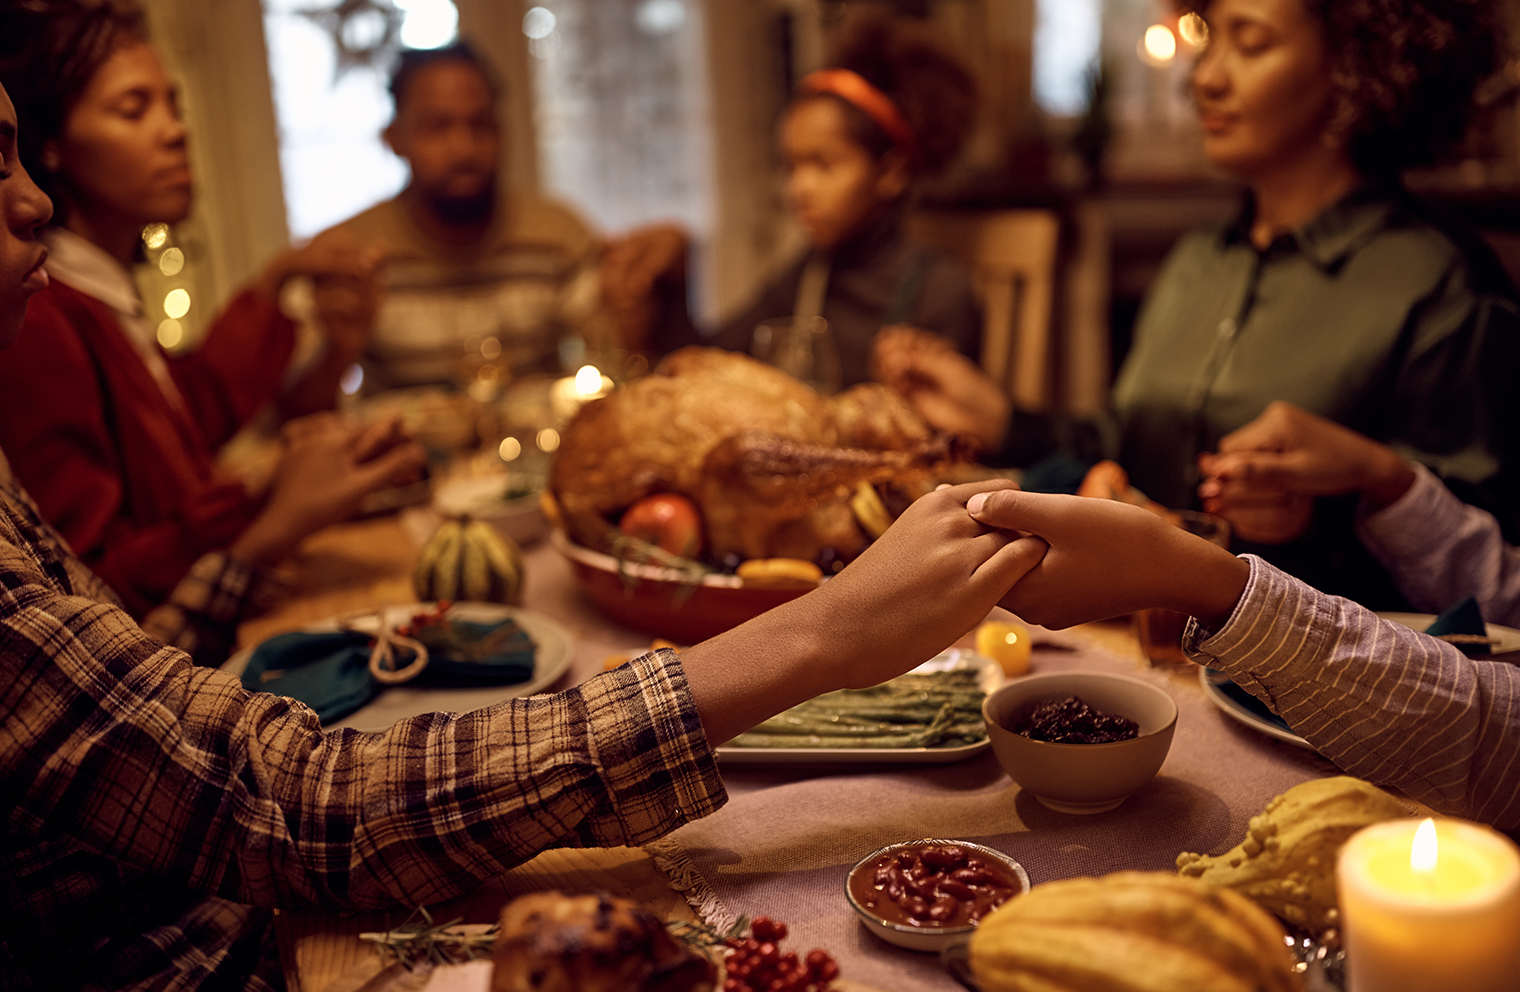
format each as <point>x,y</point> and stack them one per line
<point>1239,705</point>
<point>990,676</point>
<point>555,650</point>
<point>1508,637</point>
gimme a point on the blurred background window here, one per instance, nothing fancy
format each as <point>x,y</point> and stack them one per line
<point>1067,37</point>
<point>329,66</point>
<point>620,109</point>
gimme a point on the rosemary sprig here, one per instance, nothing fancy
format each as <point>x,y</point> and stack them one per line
<point>416,943</point>
<point>631,550</point>
<point>703,936</point>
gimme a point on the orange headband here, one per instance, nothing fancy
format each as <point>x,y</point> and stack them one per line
<point>854,89</point>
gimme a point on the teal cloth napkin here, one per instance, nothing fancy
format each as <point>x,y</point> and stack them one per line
<point>1464,618</point>
<point>330,671</point>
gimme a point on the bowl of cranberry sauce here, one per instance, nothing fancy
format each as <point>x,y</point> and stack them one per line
<point>924,894</point>
<point>1080,742</point>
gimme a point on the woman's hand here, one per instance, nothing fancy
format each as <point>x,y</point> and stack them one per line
<point>1108,558</point>
<point>949,391</point>
<point>346,292</point>
<point>329,464</point>
<point>330,255</point>
<point>1265,475</point>
<point>928,580</point>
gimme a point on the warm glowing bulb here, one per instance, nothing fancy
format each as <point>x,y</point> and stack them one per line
<point>170,333</point>
<point>177,303</point>
<point>1010,638</point>
<point>1422,853</point>
<point>588,381</point>
<point>509,449</point>
<point>171,261</point>
<point>547,439</point>
<point>1193,29</point>
<point>1160,43</point>
<point>155,235</point>
<point>538,23</point>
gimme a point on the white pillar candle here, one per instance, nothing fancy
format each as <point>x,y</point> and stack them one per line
<point>1430,906</point>
<point>572,392</point>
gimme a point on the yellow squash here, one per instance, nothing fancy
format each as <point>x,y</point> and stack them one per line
<point>1131,932</point>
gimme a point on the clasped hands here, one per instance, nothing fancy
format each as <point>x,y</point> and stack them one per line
<point>328,464</point>
<point>1266,475</point>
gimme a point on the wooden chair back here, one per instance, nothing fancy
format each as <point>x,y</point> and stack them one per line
<point>1012,257</point>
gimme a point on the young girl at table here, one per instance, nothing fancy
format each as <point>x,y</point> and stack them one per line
<point>857,139</point>
<point>114,437</point>
<point>1334,289</point>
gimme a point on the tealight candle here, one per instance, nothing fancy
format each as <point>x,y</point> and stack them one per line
<point>1430,905</point>
<point>575,391</point>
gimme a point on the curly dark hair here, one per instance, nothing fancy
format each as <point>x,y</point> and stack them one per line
<point>935,93</point>
<point>411,61</point>
<point>49,51</point>
<point>1405,73</point>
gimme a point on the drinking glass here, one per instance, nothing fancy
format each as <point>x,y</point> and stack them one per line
<point>802,347</point>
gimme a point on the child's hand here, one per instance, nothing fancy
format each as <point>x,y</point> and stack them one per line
<point>1108,558</point>
<point>949,391</point>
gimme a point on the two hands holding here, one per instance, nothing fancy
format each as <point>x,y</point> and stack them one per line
<point>933,576</point>
<point>328,464</point>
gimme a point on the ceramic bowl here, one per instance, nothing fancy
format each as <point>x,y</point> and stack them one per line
<point>482,497</point>
<point>928,939</point>
<point>662,602</point>
<point>1082,778</point>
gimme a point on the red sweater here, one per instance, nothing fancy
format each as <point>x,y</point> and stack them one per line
<point>125,475</point>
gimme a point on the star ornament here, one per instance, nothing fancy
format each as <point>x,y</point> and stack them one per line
<point>363,32</point>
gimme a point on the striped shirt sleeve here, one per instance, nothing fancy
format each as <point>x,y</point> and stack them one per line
<point>1383,702</point>
<point>1441,550</point>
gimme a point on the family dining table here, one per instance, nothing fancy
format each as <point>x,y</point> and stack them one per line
<point>790,832</point>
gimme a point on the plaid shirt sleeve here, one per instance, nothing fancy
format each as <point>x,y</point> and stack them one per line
<point>117,750</point>
<point>204,609</point>
<point>1380,700</point>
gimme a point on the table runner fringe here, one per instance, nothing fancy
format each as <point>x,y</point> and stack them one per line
<point>685,878</point>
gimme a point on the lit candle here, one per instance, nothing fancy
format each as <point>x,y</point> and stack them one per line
<point>1430,905</point>
<point>575,391</point>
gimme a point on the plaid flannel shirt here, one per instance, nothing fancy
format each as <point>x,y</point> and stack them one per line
<point>153,809</point>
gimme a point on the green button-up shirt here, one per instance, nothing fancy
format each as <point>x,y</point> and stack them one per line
<point>1373,315</point>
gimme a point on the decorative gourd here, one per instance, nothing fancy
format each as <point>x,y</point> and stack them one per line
<point>1287,861</point>
<point>1131,932</point>
<point>469,560</point>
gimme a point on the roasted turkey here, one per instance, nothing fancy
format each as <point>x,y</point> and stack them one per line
<point>550,942</point>
<point>770,463</point>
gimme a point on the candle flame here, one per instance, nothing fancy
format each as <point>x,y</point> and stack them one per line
<point>1422,853</point>
<point>588,381</point>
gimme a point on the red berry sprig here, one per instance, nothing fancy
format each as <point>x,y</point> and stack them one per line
<point>757,964</point>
